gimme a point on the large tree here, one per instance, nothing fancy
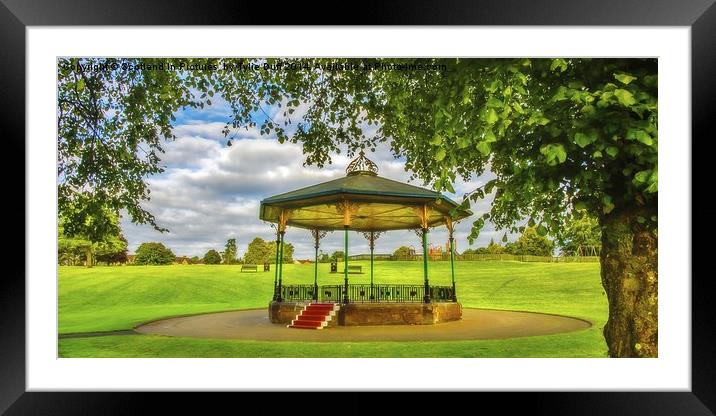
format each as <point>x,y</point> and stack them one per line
<point>558,134</point>
<point>154,254</point>
<point>581,235</point>
<point>531,243</point>
<point>229,254</point>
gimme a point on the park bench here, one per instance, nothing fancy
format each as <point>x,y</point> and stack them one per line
<point>249,267</point>
<point>355,269</point>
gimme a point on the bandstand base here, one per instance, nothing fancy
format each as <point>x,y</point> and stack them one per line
<point>357,314</point>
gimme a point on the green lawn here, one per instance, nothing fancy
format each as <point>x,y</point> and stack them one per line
<point>116,298</point>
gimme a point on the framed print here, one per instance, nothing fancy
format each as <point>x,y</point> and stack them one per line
<point>381,208</point>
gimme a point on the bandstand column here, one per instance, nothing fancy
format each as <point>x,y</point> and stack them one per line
<point>315,276</point>
<point>317,235</point>
<point>275,269</point>
<point>371,236</point>
<point>451,228</point>
<point>372,246</point>
<point>426,298</point>
<point>345,263</point>
<point>283,219</point>
<point>346,208</point>
<point>424,215</point>
<point>280,264</point>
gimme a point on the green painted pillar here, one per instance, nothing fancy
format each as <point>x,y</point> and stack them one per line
<point>371,271</point>
<point>280,265</point>
<point>426,298</point>
<point>315,276</point>
<point>275,270</point>
<point>345,262</point>
<point>452,267</point>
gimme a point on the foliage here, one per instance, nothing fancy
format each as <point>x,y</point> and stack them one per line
<point>555,132</point>
<point>154,253</point>
<point>261,251</point>
<point>324,257</point>
<point>212,257</point>
<point>195,260</point>
<point>581,235</point>
<point>229,254</point>
<point>76,250</point>
<point>531,243</point>
<point>403,252</point>
<point>337,255</point>
<point>112,251</point>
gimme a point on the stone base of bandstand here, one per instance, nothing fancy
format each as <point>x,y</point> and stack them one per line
<point>357,314</point>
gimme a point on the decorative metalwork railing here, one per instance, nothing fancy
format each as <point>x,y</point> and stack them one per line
<point>441,293</point>
<point>332,293</point>
<point>363,293</point>
<point>386,293</point>
<point>297,292</point>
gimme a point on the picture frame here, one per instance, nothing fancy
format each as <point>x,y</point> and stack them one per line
<point>16,15</point>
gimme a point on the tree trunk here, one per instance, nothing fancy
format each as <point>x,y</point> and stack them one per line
<point>88,256</point>
<point>629,269</point>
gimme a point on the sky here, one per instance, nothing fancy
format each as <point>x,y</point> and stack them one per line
<point>210,192</point>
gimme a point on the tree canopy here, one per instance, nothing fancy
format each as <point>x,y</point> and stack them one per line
<point>212,257</point>
<point>531,243</point>
<point>154,254</point>
<point>229,255</point>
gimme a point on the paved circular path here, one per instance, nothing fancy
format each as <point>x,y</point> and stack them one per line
<point>255,325</point>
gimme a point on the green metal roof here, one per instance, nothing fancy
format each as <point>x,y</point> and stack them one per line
<point>383,204</point>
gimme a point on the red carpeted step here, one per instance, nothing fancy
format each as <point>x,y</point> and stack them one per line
<point>309,312</point>
<point>313,316</point>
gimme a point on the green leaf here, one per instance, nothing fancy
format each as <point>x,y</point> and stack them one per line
<point>597,154</point>
<point>483,148</point>
<point>625,97</point>
<point>463,142</point>
<point>607,204</point>
<point>491,116</point>
<point>642,176</point>
<point>584,140</point>
<point>80,85</point>
<point>504,237</point>
<point>542,230</point>
<point>644,137</point>
<point>559,64</point>
<point>612,151</point>
<point>440,155</point>
<point>624,78</point>
<point>494,102</point>
<point>436,140</point>
<point>449,187</point>
<point>490,136</point>
<point>554,153</point>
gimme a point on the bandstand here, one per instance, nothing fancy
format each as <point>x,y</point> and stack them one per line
<point>364,202</point>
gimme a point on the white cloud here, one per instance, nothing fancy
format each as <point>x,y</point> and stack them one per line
<point>211,192</point>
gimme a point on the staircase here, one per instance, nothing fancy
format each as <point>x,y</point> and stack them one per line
<point>315,316</point>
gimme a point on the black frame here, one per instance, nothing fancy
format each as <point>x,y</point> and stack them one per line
<point>700,15</point>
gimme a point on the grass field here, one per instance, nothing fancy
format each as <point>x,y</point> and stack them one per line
<point>117,298</point>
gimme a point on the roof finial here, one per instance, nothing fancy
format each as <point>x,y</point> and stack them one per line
<point>361,165</point>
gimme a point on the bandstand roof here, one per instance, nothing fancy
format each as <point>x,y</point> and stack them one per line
<point>375,203</point>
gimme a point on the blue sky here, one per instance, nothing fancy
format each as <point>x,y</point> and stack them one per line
<point>210,192</point>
